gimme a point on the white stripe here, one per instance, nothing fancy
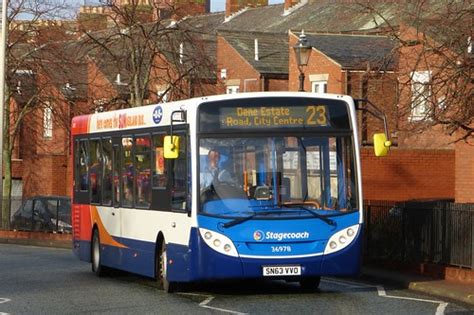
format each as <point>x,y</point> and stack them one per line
<point>281,257</point>
<point>346,284</point>
<point>4,300</point>
<point>381,292</point>
<point>441,308</point>
<point>209,300</point>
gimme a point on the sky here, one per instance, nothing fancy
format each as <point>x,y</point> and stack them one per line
<point>219,5</point>
<point>216,5</point>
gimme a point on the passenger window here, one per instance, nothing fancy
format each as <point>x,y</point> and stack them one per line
<point>127,171</point>
<point>116,175</point>
<point>107,164</point>
<point>82,179</point>
<point>95,171</point>
<point>180,177</point>
<point>160,175</point>
<point>143,171</point>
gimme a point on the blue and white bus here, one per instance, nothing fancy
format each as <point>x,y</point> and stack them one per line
<point>256,185</point>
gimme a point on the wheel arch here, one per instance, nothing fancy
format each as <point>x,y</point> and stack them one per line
<point>94,228</point>
<point>160,238</point>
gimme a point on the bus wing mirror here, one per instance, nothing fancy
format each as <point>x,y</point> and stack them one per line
<point>381,144</point>
<point>171,147</point>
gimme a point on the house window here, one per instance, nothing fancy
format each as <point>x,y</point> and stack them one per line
<point>232,89</point>
<point>420,95</point>
<point>162,91</point>
<point>164,96</point>
<point>319,86</point>
<point>47,122</point>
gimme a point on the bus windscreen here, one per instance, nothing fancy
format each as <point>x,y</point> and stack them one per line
<point>274,113</point>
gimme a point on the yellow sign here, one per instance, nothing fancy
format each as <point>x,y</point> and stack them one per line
<point>268,117</point>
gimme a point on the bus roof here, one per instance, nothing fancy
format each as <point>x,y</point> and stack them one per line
<point>160,114</point>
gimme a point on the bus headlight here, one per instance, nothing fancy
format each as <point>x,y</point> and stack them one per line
<point>218,242</point>
<point>341,239</point>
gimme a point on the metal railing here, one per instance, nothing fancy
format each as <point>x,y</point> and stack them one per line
<point>439,232</point>
<point>39,214</point>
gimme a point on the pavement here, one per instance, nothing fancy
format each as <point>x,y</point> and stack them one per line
<point>454,290</point>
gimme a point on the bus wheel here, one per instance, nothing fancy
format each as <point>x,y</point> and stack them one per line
<point>310,284</point>
<point>162,271</point>
<point>96,255</point>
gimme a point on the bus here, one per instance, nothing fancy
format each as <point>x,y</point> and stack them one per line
<point>244,186</point>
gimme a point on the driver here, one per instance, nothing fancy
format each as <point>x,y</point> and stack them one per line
<point>212,174</point>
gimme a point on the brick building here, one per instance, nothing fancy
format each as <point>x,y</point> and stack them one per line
<point>249,48</point>
<point>252,62</point>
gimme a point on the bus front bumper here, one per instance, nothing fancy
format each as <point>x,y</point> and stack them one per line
<point>200,262</point>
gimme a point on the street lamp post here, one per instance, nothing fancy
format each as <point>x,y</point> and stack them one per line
<point>3,43</point>
<point>302,53</point>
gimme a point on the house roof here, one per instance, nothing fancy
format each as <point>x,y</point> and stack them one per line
<point>356,52</point>
<point>272,50</point>
<point>57,60</point>
<point>322,16</point>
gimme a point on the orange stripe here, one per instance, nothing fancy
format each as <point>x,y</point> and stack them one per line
<point>105,237</point>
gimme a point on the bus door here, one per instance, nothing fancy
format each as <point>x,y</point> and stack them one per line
<point>112,220</point>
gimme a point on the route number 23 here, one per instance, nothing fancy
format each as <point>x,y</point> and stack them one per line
<point>316,115</point>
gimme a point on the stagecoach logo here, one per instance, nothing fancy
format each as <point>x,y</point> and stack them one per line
<point>157,114</point>
<point>258,235</point>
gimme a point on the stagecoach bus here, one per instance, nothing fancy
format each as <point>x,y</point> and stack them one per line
<point>252,185</point>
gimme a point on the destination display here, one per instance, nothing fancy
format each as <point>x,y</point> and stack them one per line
<point>273,117</point>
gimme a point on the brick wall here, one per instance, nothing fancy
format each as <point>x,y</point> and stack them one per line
<point>318,64</point>
<point>277,84</point>
<point>237,67</point>
<point>408,174</point>
<point>46,175</point>
<point>464,169</point>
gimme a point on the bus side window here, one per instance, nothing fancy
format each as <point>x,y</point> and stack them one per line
<point>107,167</point>
<point>180,176</point>
<point>95,171</point>
<point>82,179</point>
<point>160,174</point>
<point>142,171</point>
<point>127,171</point>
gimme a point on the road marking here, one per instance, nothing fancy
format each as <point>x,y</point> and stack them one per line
<point>208,300</point>
<point>4,300</point>
<point>439,310</point>
<point>381,292</point>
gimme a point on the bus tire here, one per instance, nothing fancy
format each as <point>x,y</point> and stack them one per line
<point>161,267</point>
<point>96,256</point>
<point>310,284</point>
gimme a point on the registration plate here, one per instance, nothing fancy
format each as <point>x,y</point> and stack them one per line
<point>272,271</point>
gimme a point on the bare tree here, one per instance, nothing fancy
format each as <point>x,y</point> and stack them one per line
<point>26,37</point>
<point>148,52</point>
<point>435,64</point>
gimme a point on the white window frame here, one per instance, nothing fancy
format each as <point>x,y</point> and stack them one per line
<point>48,122</point>
<point>319,86</point>
<point>164,95</point>
<point>420,95</point>
<point>232,89</point>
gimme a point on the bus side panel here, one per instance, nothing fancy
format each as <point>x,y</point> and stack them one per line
<point>346,262</point>
<point>82,226</point>
<point>137,256</point>
<point>200,262</point>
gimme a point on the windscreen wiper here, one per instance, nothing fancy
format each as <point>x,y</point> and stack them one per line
<point>315,214</point>
<point>243,219</point>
